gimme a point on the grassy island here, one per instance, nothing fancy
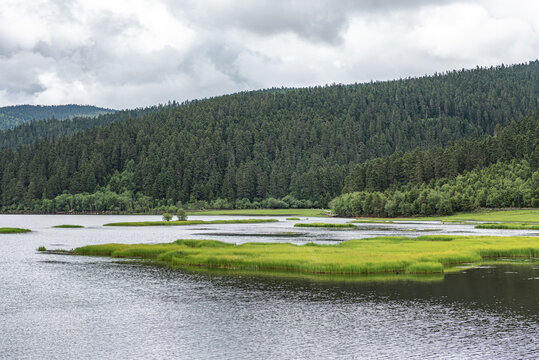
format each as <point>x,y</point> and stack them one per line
<point>191,222</point>
<point>512,226</point>
<point>326,225</point>
<point>67,226</point>
<point>423,255</point>
<point>265,212</point>
<point>10,230</point>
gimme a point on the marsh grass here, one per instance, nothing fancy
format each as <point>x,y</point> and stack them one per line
<point>422,255</point>
<point>191,222</point>
<point>42,248</point>
<point>68,226</point>
<point>265,212</point>
<point>325,225</point>
<point>293,218</point>
<point>11,230</point>
<point>513,226</point>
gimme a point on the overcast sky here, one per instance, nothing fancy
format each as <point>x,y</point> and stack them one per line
<point>133,53</point>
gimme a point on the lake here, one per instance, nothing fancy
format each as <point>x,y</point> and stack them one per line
<point>55,306</point>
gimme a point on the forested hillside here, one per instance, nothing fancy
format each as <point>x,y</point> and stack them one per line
<point>253,146</point>
<point>495,172</point>
<point>31,132</point>
<point>11,116</point>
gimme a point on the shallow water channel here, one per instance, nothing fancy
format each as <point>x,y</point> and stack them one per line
<point>75,307</point>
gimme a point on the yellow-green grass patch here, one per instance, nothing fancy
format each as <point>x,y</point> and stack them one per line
<point>265,212</point>
<point>370,221</point>
<point>513,226</point>
<point>12,230</point>
<point>423,255</point>
<point>191,222</point>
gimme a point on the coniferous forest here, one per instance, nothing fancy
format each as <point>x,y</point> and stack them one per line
<point>430,145</point>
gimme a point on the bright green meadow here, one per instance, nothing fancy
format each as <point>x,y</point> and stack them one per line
<point>10,230</point>
<point>265,212</point>
<point>191,222</point>
<point>422,255</point>
<point>513,226</point>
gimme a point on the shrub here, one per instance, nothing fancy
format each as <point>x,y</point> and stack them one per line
<point>181,214</point>
<point>167,217</point>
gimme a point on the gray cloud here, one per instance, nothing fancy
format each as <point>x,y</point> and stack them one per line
<point>130,55</point>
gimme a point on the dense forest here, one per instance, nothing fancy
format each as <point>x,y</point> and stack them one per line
<point>288,147</point>
<point>497,171</point>
<point>12,116</point>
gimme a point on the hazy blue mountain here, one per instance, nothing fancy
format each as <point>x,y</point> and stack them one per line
<point>11,116</point>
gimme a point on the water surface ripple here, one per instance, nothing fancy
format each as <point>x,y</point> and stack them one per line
<point>54,306</point>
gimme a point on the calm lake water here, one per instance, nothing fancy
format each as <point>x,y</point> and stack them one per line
<point>67,307</point>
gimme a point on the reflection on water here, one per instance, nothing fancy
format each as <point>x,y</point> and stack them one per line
<point>55,306</point>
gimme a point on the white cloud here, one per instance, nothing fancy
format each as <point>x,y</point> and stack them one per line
<point>143,52</point>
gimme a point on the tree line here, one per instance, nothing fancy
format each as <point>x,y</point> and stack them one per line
<point>503,184</point>
<point>265,145</point>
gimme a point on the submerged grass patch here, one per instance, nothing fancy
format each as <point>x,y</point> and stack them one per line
<point>191,222</point>
<point>513,226</point>
<point>68,226</point>
<point>325,225</point>
<point>422,255</point>
<point>293,218</point>
<point>12,230</point>
<point>371,221</point>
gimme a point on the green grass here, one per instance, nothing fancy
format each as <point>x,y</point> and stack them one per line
<point>190,222</point>
<point>528,215</point>
<point>525,215</point>
<point>325,225</point>
<point>265,212</point>
<point>67,226</point>
<point>514,226</point>
<point>293,218</point>
<point>371,221</point>
<point>423,255</point>
<point>11,230</point>
<point>42,248</point>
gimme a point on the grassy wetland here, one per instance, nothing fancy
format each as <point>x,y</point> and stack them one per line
<point>423,255</point>
<point>509,226</point>
<point>265,212</point>
<point>13,230</point>
<point>68,226</point>
<point>191,222</point>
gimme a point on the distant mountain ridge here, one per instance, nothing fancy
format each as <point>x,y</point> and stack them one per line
<point>12,116</point>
